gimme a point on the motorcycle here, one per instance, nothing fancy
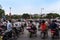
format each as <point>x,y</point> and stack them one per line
<point>6,35</point>
<point>54,34</point>
<point>31,33</point>
<point>44,34</point>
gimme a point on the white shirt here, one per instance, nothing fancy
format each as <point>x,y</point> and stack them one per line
<point>9,26</point>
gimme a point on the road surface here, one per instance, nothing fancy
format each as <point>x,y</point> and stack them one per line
<point>25,36</point>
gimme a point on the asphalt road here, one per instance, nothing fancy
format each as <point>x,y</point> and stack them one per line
<point>26,37</point>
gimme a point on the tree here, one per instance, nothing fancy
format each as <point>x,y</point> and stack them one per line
<point>2,12</point>
<point>36,16</point>
<point>52,15</point>
<point>25,16</point>
<point>16,16</point>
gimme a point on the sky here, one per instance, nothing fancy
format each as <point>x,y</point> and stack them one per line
<point>30,6</point>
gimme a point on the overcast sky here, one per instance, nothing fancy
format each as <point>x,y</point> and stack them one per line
<point>30,6</point>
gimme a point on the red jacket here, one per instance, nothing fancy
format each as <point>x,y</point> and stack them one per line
<point>43,27</point>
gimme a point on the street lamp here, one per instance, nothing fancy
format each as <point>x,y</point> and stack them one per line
<point>10,12</point>
<point>42,11</point>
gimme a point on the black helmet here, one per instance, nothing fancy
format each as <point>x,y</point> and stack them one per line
<point>43,21</point>
<point>31,21</point>
<point>54,21</point>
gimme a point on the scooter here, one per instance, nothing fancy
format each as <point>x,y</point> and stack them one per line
<point>32,33</point>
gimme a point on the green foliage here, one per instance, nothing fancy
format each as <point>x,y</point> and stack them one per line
<point>52,15</point>
<point>7,17</point>
<point>16,16</point>
<point>36,17</point>
<point>2,12</point>
<point>26,16</point>
<point>13,17</point>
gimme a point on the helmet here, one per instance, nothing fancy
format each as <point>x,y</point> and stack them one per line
<point>43,21</point>
<point>54,20</point>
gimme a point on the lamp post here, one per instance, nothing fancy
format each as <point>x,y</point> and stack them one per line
<point>42,11</point>
<point>10,12</point>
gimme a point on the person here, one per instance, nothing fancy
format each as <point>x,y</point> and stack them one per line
<point>32,29</point>
<point>9,28</point>
<point>17,27</point>
<point>4,25</point>
<point>39,25</point>
<point>0,28</point>
<point>54,27</point>
<point>8,31</point>
<point>22,26</point>
<point>25,24</point>
<point>47,24</point>
<point>43,28</point>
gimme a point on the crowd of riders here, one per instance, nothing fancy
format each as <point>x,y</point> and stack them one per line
<point>12,29</point>
<point>44,26</point>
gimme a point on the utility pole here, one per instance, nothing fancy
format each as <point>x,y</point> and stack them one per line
<point>42,11</point>
<point>10,12</point>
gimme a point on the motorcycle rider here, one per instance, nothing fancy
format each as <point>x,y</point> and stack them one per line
<point>43,28</point>
<point>32,30</point>
<point>54,28</point>
<point>9,28</point>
